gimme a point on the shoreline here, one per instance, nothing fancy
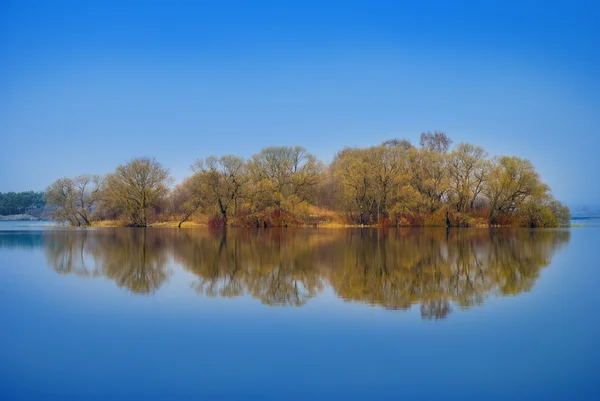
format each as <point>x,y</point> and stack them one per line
<point>326,225</point>
<point>192,225</point>
<point>19,217</point>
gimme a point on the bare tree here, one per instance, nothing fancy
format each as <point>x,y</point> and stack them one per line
<point>288,173</point>
<point>435,141</point>
<point>512,181</point>
<point>136,187</point>
<point>221,182</point>
<point>73,200</point>
<point>468,170</point>
<point>187,198</point>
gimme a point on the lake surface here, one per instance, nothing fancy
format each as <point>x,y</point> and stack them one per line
<point>299,314</point>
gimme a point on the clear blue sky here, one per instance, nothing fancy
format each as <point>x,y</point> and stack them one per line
<point>87,85</point>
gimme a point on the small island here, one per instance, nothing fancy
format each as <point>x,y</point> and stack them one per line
<point>394,184</point>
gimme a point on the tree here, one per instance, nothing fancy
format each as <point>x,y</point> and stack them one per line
<point>435,141</point>
<point>406,202</point>
<point>544,211</point>
<point>468,169</point>
<point>221,182</point>
<point>136,187</point>
<point>434,184</point>
<point>397,143</point>
<point>187,198</point>
<point>73,200</point>
<point>429,176</point>
<point>288,175</point>
<point>371,178</point>
<point>389,164</point>
<point>561,212</point>
<point>29,202</point>
<point>510,183</point>
<point>353,171</point>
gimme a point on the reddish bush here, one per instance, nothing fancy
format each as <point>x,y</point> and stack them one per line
<point>216,222</point>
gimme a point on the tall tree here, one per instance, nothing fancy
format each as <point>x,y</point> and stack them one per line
<point>435,141</point>
<point>186,198</point>
<point>288,174</point>
<point>136,187</point>
<point>468,169</point>
<point>222,183</point>
<point>279,185</point>
<point>389,164</point>
<point>429,176</point>
<point>510,183</point>
<point>73,200</point>
<point>352,169</point>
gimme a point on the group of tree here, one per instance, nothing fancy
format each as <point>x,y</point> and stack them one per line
<point>135,192</point>
<point>435,184</point>
<point>392,184</point>
<point>31,203</point>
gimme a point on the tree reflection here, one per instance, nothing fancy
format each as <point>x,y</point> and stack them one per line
<point>134,258</point>
<point>436,267</point>
<point>277,268</point>
<point>394,269</point>
<point>70,252</point>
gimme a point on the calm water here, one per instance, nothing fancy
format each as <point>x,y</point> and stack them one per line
<point>299,314</point>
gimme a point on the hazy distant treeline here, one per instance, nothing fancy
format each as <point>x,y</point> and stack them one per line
<point>30,202</point>
<point>394,183</point>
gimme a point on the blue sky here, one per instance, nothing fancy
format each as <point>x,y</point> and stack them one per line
<point>85,86</point>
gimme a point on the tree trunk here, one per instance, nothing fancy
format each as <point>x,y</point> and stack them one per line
<point>223,213</point>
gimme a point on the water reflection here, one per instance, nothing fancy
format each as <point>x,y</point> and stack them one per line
<point>393,269</point>
<point>133,259</point>
<point>436,267</point>
<point>277,268</point>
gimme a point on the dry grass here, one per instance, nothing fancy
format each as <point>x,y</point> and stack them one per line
<point>107,223</point>
<point>324,224</point>
<point>323,217</point>
<point>335,224</point>
<point>160,224</point>
<point>175,224</point>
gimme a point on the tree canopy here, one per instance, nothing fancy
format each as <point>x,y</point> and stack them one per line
<point>29,202</point>
<point>438,183</point>
<point>74,200</point>
<point>136,188</point>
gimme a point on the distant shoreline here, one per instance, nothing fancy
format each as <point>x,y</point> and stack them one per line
<point>19,217</point>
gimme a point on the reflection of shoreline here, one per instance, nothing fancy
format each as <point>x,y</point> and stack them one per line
<point>393,269</point>
<point>585,222</point>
